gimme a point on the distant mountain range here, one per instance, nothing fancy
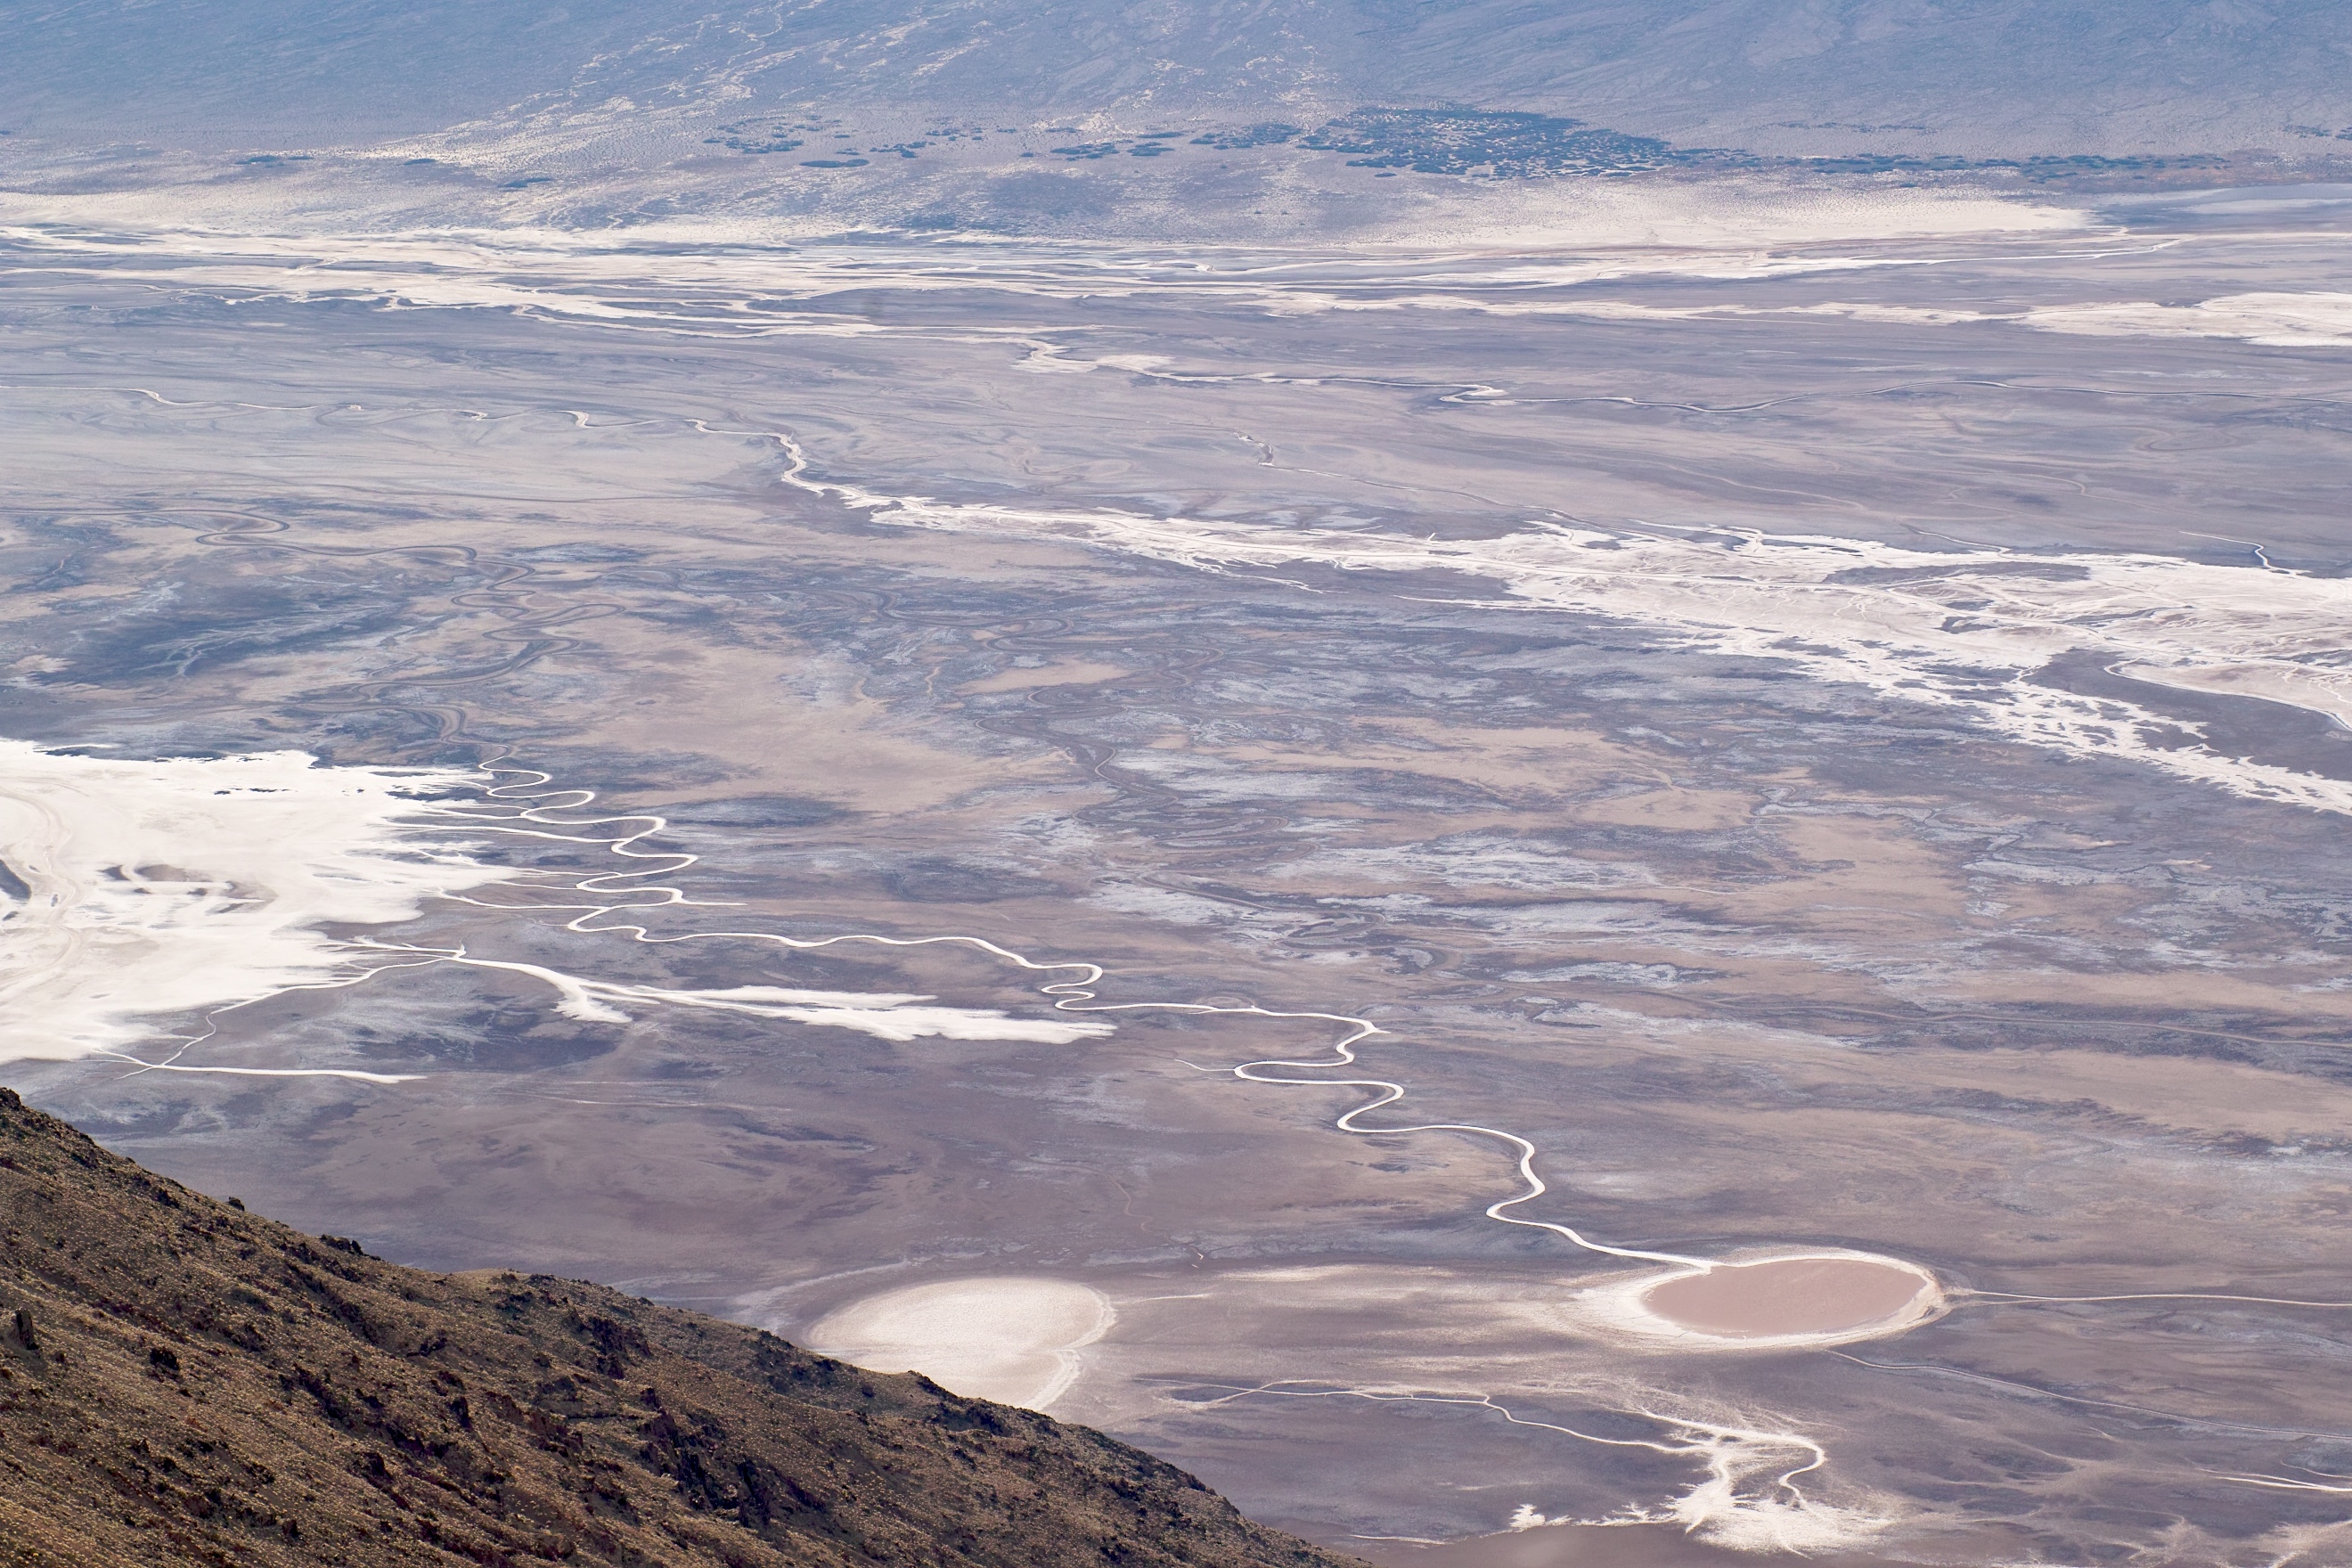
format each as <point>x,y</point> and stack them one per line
<point>1964,78</point>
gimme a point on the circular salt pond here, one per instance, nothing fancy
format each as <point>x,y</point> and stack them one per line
<point>1015,1340</point>
<point>1793,1299</point>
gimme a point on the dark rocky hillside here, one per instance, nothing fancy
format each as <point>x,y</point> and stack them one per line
<point>182,1382</point>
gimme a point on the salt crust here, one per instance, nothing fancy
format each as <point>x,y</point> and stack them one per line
<point>185,886</point>
<point>189,884</point>
<point>1014,1340</point>
<point>1620,1308</point>
<point>1964,629</point>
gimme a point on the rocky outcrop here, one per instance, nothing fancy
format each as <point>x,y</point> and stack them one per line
<point>182,1382</point>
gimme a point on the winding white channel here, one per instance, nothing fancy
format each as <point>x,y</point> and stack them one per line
<point>1964,630</point>
<point>196,885</point>
<point>1725,1506</point>
<point>167,888</point>
<point>174,887</point>
<point>68,821</point>
<point>1973,631</point>
<point>1749,1498</point>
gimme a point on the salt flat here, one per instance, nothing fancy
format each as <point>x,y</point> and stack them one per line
<point>1015,1340</point>
<point>1651,860</point>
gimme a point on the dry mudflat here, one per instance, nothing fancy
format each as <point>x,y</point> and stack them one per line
<point>1749,717</point>
<point>1787,1297</point>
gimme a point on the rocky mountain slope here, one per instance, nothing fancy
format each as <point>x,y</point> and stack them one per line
<point>182,1382</point>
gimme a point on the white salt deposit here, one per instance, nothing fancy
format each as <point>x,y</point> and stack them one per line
<point>1967,629</point>
<point>171,888</point>
<point>890,1016</point>
<point>767,279</point>
<point>2274,320</point>
<point>1012,1340</point>
<point>157,892</point>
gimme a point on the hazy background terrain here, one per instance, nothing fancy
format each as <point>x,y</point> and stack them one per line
<point>1957,76</point>
<point>1211,120</point>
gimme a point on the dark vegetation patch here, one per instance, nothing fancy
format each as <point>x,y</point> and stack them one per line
<point>763,135</point>
<point>1476,144</point>
<point>1501,146</point>
<point>2040,171</point>
<point>1270,135</point>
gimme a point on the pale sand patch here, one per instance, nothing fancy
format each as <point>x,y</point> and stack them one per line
<point>831,743</point>
<point>1074,673</point>
<point>2194,1095</point>
<point>1821,1297</point>
<point>1015,1340</point>
<point>2286,992</point>
<point>1674,810</point>
<point>1545,759</point>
